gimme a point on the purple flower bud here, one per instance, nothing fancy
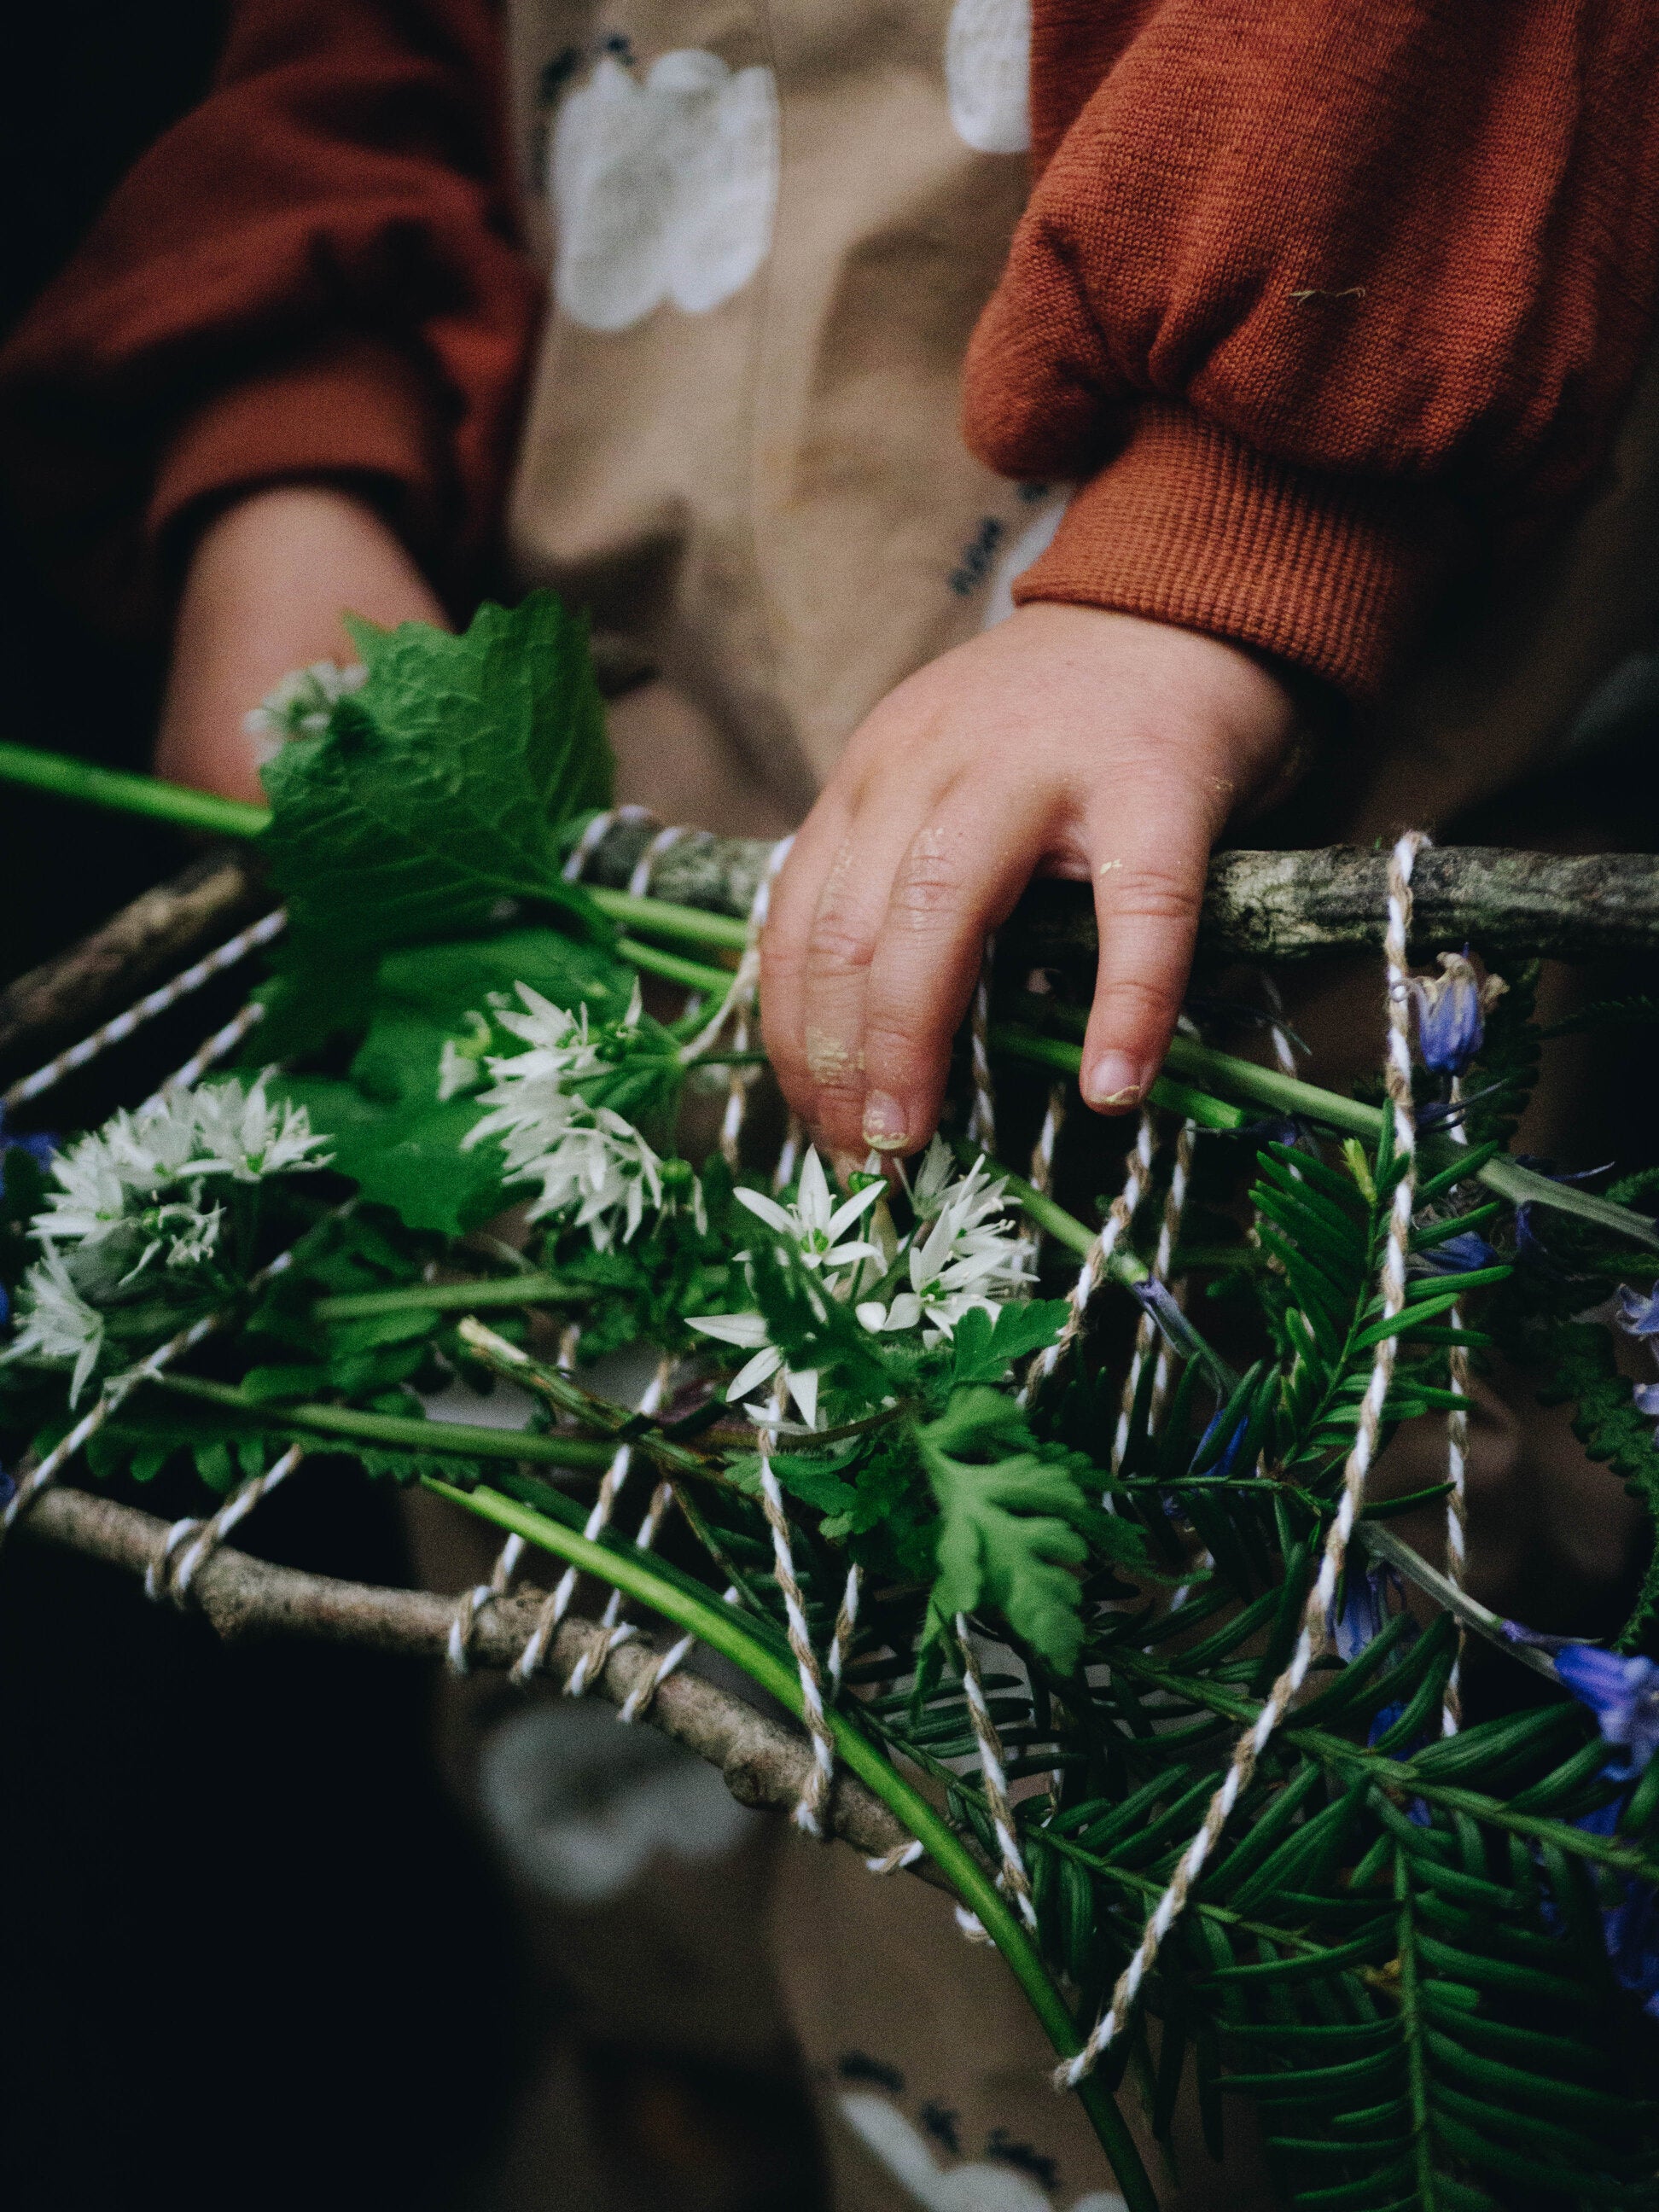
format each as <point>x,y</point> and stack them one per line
<point>1454,1255</point>
<point>1623,1694</point>
<point>1638,1315</point>
<point>1363,1613</point>
<point>1451,1012</point>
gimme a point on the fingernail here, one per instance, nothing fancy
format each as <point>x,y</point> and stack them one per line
<point>885,1126</point>
<point>1112,1084</point>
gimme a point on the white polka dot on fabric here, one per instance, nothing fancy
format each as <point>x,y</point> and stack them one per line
<point>1032,543</point>
<point>663,187</point>
<point>988,69</point>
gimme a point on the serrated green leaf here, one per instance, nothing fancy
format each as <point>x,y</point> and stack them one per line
<point>985,1350</point>
<point>434,792</point>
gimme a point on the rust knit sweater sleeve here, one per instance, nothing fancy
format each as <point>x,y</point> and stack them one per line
<point>311,275</point>
<point>1313,298</point>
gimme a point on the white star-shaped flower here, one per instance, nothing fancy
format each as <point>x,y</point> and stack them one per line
<point>816,1226</point>
<point>59,1323</point>
<point>964,1253</point>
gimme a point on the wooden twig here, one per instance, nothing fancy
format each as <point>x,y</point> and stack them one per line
<point>161,931</point>
<point>1270,906</point>
<point>1259,906</point>
<point>762,1762</point>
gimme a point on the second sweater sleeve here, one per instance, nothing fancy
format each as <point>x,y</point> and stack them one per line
<point>312,274</point>
<point>1311,301</point>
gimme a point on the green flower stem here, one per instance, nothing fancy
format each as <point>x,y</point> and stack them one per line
<point>718,1627</point>
<point>1288,1095</point>
<point>124,793</point>
<point>564,1394</point>
<point>684,924</point>
<point>1017,1043</point>
<point>674,968</point>
<point>395,1430</point>
<point>526,1290</point>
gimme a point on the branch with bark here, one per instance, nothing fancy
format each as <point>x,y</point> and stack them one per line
<point>1258,906</point>
<point>762,1762</point>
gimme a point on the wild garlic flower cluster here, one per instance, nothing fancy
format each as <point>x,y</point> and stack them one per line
<point>133,1194</point>
<point>963,1255</point>
<point>301,704</point>
<point>593,1166</point>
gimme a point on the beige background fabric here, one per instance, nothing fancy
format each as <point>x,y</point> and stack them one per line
<point>765,500</point>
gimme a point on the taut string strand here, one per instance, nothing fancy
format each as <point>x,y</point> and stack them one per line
<point>145,1009</point>
<point>191,1543</point>
<point>814,1797</point>
<point>1118,1215</point>
<point>1013,1880</point>
<point>1316,1617</point>
<point>982,1111</point>
<point>1148,1336</point>
<point>613,1630</point>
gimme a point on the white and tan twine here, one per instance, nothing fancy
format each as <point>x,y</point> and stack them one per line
<point>1315,1630</point>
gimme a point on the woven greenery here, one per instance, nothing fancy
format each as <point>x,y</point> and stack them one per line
<point>1428,1959</point>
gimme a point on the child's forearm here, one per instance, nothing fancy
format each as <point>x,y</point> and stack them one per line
<point>263,595</point>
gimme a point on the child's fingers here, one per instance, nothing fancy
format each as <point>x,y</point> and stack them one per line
<point>1149,861</point>
<point>958,880</point>
<point>827,942</point>
<point>794,902</point>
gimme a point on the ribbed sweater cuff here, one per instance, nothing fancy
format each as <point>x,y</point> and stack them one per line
<point>354,408</point>
<point>1188,525</point>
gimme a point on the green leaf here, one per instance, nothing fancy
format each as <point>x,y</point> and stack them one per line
<point>435,790</point>
<point>1008,1533</point>
<point>408,1156</point>
<point>386,1126</point>
<point>986,1350</point>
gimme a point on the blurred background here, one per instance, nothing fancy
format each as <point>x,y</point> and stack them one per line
<point>242,1927</point>
<point>252,1953</point>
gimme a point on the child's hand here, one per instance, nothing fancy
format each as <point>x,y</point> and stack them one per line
<point>1068,740</point>
<point>263,596</point>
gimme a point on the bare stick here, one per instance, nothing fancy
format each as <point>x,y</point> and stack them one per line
<point>162,930</point>
<point>1259,906</point>
<point>762,1762</point>
<point>1269,906</point>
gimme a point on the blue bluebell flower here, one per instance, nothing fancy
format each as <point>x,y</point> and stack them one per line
<point>1277,1129</point>
<point>1365,1610</point>
<point>1534,1639</point>
<point>1234,1445</point>
<point>1630,1930</point>
<point>1624,1695</point>
<point>1158,1300</point>
<point>1638,1315</point>
<point>1451,1012</point>
<point>1454,1255</point>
